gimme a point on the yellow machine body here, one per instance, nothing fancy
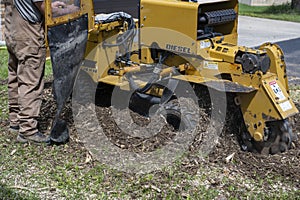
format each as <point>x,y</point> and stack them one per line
<point>180,27</point>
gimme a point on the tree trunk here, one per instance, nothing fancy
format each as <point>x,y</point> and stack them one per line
<point>296,5</point>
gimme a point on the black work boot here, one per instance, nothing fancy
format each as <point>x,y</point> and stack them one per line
<point>38,137</point>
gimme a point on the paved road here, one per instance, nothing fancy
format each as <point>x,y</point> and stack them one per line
<point>291,49</point>
<point>255,31</point>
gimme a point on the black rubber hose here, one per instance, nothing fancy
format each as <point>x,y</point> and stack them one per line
<point>152,80</point>
<point>208,36</point>
<point>127,34</point>
<point>144,89</point>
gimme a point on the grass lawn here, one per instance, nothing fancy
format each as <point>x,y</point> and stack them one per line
<point>3,64</point>
<point>280,12</point>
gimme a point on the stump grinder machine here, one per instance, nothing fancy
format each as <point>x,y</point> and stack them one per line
<point>164,44</point>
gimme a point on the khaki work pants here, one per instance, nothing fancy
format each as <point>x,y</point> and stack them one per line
<point>27,53</point>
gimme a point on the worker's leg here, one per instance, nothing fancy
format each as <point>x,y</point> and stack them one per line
<point>31,53</point>
<point>13,105</point>
<point>12,69</point>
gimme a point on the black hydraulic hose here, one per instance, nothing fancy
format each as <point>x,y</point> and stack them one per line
<point>125,41</point>
<point>130,33</point>
<point>153,79</point>
<point>208,36</point>
<point>131,28</point>
<point>144,89</point>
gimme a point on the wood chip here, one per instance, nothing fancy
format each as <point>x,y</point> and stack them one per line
<point>229,158</point>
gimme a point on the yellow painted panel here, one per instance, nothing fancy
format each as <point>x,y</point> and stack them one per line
<point>175,15</point>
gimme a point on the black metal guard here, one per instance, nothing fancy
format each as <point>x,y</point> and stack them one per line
<point>67,43</point>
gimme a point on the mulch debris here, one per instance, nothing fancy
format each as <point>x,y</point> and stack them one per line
<point>226,153</point>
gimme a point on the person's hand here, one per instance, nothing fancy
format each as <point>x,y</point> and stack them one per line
<point>60,8</point>
<point>58,4</point>
<point>72,8</point>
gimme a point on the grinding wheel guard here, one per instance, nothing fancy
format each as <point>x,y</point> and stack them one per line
<point>67,43</point>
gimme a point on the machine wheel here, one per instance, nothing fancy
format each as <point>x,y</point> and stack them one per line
<point>103,94</point>
<point>180,114</point>
<point>278,134</point>
<point>279,139</point>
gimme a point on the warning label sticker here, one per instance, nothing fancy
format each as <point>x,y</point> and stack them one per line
<point>211,65</point>
<point>277,90</point>
<point>286,106</point>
